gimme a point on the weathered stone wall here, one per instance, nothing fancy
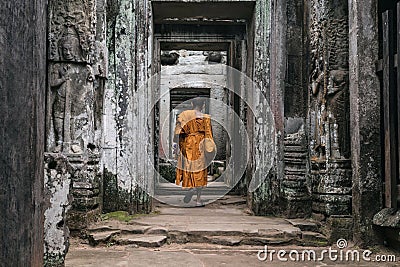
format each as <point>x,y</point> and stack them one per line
<point>288,187</point>
<point>365,118</point>
<point>128,145</point>
<point>73,189</point>
<point>290,97</point>
<point>77,72</point>
<point>328,80</point>
<point>58,185</point>
<point>22,101</point>
<point>296,93</point>
<point>264,199</point>
<point>328,115</point>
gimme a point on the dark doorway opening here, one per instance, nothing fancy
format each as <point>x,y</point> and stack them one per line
<point>200,29</point>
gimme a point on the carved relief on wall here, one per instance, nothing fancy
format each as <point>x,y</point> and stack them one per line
<point>72,106</point>
<point>328,82</point>
<point>71,94</point>
<point>338,99</point>
<point>78,15</point>
<point>77,75</point>
<point>317,88</point>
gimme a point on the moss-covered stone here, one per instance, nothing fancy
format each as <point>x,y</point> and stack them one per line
<point>339,227</point>
<point>54,260</point>
<point>168,172</point>
<point>114,198</point>
<point>122,216</point>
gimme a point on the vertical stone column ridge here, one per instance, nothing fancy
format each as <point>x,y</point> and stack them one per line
<point>22,91</point>
<point>129,128</point>
<point>262,200</point>
<point>328,126</point>
<point>365,118</point>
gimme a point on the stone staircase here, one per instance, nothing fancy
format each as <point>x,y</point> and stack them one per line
<point>222,223</point>
<point>173,195</point>
<point>125,234</point>
<point>213,188</point>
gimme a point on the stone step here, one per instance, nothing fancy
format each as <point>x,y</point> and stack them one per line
<point>148,240</point>
<point>238,241</point>
<point>233,201</point>
<point>151,241</point>
<point>102,237</point>
<point>211,192</point>
<point>304,225</point>
<point>118,226</point>
<point>213,188</point>
<point>158,236</point>
<point>221,223</point>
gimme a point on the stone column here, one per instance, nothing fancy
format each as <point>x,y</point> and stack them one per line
<point>77,71</point>
<point>58,185</point>
<point>328,126</point>
<point>128,128</point>
<point>263,200</point>
<point>364,117</point>
<point>22,91</point>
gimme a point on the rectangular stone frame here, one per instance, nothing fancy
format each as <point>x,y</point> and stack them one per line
<point>230,43</point>
<point>136,55</point>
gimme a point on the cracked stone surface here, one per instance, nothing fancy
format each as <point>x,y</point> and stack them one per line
<point>224,222</point>
<point>216,235</point>
<point>201,255</point>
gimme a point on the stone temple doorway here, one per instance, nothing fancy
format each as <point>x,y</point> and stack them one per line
<point>194,74</point>
<point>193,58</point>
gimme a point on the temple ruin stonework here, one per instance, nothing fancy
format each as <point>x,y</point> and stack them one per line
<point>322,69</point>
<point>103,55</point>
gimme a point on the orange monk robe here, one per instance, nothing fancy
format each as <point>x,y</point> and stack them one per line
<point>191,168</point>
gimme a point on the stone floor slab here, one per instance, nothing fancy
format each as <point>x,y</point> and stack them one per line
<point>204,255</point>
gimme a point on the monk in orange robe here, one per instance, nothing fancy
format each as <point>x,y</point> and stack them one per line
<point>192,127</point>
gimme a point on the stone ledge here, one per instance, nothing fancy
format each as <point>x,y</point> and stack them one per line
<point>142,240</point>
<point>387,218</point>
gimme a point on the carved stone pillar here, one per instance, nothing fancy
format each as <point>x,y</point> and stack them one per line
<point>296,195</point>
<point>71,97</point>
<point>77,60</point>
<point>58,185</point>
<point>329,116</point>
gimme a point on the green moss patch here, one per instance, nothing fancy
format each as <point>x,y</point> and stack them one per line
<point>121,216</point>
<point>124,216</point>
